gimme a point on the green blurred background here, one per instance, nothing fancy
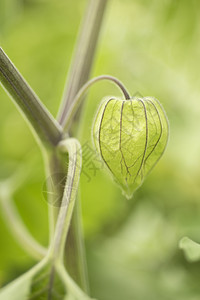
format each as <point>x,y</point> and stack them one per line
<point>153,47</point>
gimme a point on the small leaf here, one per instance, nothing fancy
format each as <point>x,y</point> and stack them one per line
<point>18,289</point>
<point>191,249</point>
<point>131,136</point>
<point>44,281</point>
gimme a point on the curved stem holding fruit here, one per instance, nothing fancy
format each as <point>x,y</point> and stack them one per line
<point>77,101</point>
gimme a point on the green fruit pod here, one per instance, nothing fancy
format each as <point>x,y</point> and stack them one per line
<point>130,136</point>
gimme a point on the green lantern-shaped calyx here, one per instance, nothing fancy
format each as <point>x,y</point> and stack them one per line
<point>130,136</point>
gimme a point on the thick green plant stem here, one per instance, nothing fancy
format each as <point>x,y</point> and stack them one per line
<point>78,75</point>
<point>84,54</point>
<point>77,263</point>
<point>56,170</point>
<point>46,127</point>
<point>70,147</point>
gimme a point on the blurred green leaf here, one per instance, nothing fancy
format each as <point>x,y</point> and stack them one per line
<point>191,249</point>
